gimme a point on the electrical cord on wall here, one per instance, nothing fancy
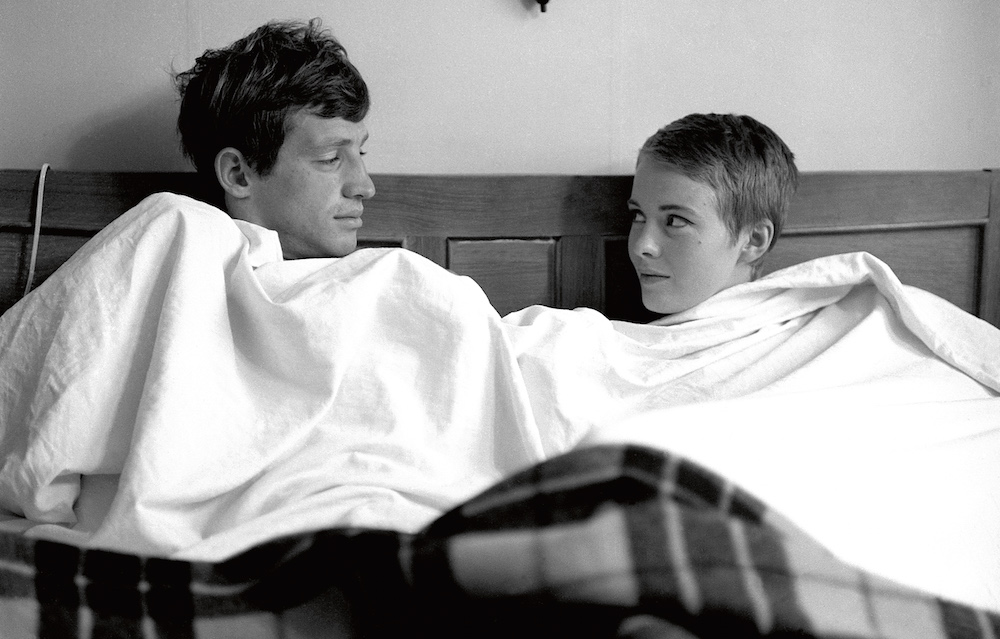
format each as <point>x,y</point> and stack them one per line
<point>38,229</point>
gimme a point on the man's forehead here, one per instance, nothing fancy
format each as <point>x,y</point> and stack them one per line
<point>316,131</point>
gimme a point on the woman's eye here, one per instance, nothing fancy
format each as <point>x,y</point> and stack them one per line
<point>637,215</point>
<point>677,221</point>
<point>331,160</point>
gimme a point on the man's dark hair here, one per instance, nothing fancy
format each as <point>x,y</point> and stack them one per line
<point>240,96</point>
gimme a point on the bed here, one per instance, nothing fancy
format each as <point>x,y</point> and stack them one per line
<point>558,240</point>
<point>555,242</point>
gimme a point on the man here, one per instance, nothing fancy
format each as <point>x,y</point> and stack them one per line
<point>276,120</point>
<point>232,392</point>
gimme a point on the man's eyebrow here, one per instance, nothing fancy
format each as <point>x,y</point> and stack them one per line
<point>336,142</point>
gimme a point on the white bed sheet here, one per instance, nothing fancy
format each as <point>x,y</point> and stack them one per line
<point>214,396</point>
<point>907,491</point>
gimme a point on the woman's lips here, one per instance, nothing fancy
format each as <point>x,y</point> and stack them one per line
<point>652,277</point>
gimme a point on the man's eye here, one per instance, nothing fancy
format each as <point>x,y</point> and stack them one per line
<point>637,216</point>
<point>332,160</point>
<point>677,221</point>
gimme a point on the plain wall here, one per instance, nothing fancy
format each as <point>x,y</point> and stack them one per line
<point>496,86</point>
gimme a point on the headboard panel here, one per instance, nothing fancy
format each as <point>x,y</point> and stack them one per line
<point>560,240</point>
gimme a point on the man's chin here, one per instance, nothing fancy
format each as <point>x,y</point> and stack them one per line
<point>345,247</point>
<point>339,247</point>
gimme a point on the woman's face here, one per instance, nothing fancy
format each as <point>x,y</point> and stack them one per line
<point>679,244</point>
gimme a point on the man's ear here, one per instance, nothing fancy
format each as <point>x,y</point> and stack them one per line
<point>757,241</point>
<point>233,172</point>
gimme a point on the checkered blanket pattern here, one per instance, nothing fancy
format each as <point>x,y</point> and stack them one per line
<point>608,541</point>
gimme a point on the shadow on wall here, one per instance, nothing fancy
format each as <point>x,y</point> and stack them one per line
<point>140,135</point>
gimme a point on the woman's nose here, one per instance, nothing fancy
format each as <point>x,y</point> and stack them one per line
<point>646,245</point>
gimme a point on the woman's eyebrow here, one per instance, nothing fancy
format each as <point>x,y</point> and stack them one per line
<point>666,207</point>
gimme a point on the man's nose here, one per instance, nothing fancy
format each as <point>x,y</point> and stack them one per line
<point>360,184</point>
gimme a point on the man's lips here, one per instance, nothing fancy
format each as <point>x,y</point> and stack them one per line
<point>353,220</point>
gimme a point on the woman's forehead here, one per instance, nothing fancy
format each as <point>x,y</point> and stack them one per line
<point>665,188</point>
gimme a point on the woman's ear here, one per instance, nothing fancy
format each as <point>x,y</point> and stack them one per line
<point>233,172</point>
<point>757,241</point>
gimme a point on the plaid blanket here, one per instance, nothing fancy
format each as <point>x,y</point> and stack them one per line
<point>608,541</point>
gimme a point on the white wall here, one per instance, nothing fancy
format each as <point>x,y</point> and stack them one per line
<point>497,86</point>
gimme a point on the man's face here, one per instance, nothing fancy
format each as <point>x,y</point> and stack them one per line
<point>679,245</point>
<point>313,195</point>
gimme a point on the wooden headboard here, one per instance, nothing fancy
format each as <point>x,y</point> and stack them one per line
<point>560,240</point>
